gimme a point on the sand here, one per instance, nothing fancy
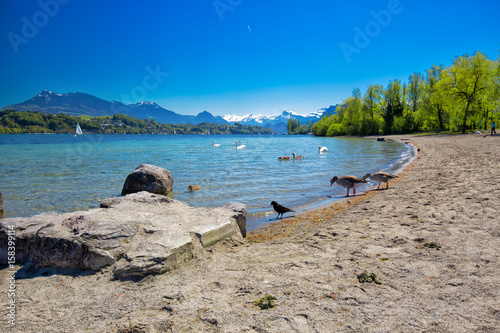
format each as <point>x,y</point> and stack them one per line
<point>432,240</point>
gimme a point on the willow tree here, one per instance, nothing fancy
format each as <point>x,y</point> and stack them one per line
<point>467,79</point>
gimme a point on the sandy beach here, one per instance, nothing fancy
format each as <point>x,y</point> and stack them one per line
<point>432,240</point>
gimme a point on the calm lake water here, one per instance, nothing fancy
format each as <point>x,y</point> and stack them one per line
<point>63,173</point>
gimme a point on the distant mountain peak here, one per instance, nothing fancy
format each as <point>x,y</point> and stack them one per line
<point>147,103</point>
<point>44,93</point>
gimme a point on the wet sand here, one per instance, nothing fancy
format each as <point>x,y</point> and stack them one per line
<point>432,240</point>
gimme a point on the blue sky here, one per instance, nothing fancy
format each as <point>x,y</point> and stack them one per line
<point>232,56</point>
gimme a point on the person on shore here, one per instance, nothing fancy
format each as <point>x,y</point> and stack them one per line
<point>493,125</point>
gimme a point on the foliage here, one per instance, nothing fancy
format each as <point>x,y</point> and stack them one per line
<point>38,122</point>
<point>294,127</point>
<point>463,96</point>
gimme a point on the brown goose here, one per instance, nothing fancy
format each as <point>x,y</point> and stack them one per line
<point>298,157</point>
<point>283,158</point>
<point>348,182</point>
<point>380,177</point>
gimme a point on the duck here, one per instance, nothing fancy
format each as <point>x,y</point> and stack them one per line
<point>194,187</point>
<point>283,158</point>
<point>215,144</point>
<point>348,182</point>
<point>380,177</point>
<point>322,149</point>
<point>298,157</point>
<point>280,209</point>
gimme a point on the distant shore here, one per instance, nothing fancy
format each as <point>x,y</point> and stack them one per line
<point>429,245</point>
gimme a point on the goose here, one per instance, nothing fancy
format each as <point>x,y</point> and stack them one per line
<point>298,157</point>
<point>280,209</point>
<point>322,149</point>
<point>215,144</point>
<point>348,182</point>
<point>283,158</point>
<point>380,177</point>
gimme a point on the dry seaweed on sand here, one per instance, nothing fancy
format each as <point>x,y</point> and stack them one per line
<point>368,278</point>
<point>433,246</point>
<point>265,302</point>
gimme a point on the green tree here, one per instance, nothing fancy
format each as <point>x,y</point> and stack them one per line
<point>434,97</point>
<point>371,107</point>
<point>392,105</point>
<point>467,80</point>
<point>416,86</point>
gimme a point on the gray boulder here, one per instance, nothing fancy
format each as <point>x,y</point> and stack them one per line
<point>240,215</point>
<point>138,234</point>
<point>149,178</point>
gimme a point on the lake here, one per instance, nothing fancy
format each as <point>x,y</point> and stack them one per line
<point>63,173</point>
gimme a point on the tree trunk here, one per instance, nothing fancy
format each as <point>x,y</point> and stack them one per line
<point>465,116</point>
<point>440,118</point>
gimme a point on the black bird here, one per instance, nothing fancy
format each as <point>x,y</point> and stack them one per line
<point>280,209</point>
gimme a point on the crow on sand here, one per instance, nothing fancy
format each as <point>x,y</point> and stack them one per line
<point>280,209</point>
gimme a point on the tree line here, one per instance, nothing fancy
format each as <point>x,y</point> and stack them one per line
<point>12,122</point>
<point>463,96</point>
<point>293,127</point>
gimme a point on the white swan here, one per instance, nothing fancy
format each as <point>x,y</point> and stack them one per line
<point>239,145</point>
<point>215,144</point>
<point>322,149</point>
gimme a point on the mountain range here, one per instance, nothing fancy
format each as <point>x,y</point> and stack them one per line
<point>82,104</point>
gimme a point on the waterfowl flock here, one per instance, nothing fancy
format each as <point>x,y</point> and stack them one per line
<point>348,182</point>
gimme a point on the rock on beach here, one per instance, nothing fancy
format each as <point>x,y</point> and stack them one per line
<point>138,234</point>
<point>150,178</point>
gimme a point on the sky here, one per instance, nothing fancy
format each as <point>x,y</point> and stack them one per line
<point>232,56</point>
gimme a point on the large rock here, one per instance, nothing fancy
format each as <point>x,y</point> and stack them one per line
<point>138,234</point>
<point>149,178</point>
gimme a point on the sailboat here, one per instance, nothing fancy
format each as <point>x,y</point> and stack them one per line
<point>175,133</point>
<point>78,129</point>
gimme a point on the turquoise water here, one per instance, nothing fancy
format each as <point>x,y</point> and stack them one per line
<point>63,173</point>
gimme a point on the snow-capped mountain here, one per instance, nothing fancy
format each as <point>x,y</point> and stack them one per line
<point>79,104</point>
<point>262,120</point>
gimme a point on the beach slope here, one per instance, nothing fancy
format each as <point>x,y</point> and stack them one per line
<point>421,256</point>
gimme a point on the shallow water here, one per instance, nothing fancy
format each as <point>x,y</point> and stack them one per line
<point>63,173</point>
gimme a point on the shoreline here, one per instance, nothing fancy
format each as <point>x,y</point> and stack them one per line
<point>327,207</point>
<point>431,240</point>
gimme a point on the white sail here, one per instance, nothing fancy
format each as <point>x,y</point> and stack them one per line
<point>78,129</point>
